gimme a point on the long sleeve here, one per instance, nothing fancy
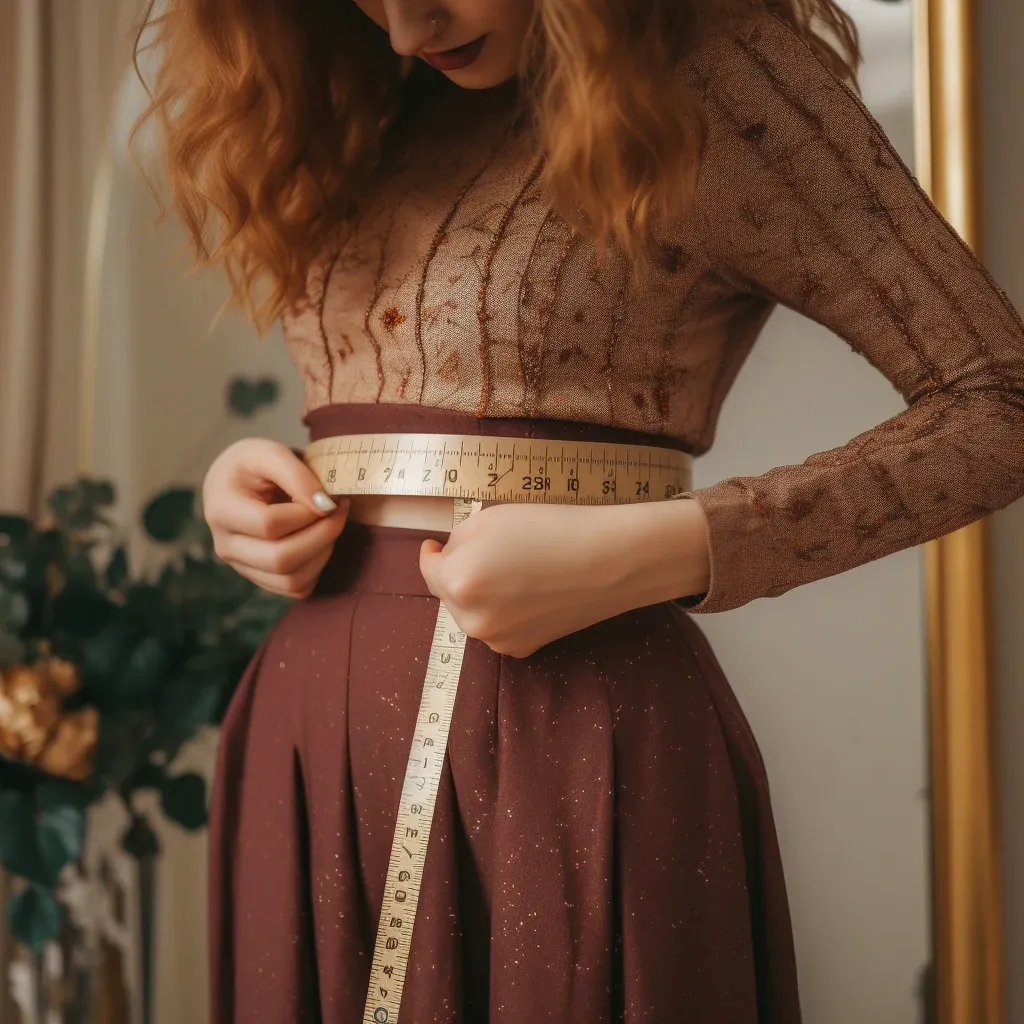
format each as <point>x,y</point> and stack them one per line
<point>803,200</point>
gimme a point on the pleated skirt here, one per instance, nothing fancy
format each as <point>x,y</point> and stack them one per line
<point>603,848</point>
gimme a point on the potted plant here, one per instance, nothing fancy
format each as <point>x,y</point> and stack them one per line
<point>106,673</point>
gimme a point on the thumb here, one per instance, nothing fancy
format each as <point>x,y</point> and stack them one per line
<point>430,557</point>
<point>285,468</point>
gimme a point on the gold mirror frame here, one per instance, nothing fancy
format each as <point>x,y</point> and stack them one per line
<point>966,854</point>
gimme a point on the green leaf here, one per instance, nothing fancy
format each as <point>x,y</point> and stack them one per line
<point>101,492</point>
<point>167,515</point>
<point>188,703</point>
<point>146,668</point>
<point>247,397</point>
<point>184,800</point>
<point>83,518</point>
<point>13,568</point>
<point>18,841</point>
<point>140,840</point>
<point>61,502</point>
<point>199,536</point>
<point>46,548</point>
<point>117,568</point>
<point>16,530</point>
<point>15,823</point>
<point>59,832</point>
<point>267,391</point>
<point>33,917</point>
<point>243,397</point>
<point>80,571</point>
<point>104,654</point>
<point>14,610</point>
<point>125,742</point>
<point>256,617</point>
<point>12,651</point>
<point>78,507</point>
<point>82,611</point>
<point>148,776</point>
<point>37,841</point>
<point>146,602</point>
<point>194,697</point>
<point>60,823</point>
<point>56,793</point>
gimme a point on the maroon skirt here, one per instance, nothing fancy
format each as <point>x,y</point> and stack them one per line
<point>603,847</point>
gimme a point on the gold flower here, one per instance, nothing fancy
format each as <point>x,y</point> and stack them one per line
<point>33,727</point>
<point>64,675</point>
<point>29,710</point>
<point>72,746</point>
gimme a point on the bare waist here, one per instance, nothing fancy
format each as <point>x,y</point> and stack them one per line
<point>412,511</point>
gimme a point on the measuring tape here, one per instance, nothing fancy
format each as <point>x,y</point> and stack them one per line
<point>470,469</point>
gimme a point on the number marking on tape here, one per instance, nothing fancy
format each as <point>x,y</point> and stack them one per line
<point>416,813</point>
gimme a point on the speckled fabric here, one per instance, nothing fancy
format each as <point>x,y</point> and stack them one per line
<point>602,850</point>
<point>457,287</point>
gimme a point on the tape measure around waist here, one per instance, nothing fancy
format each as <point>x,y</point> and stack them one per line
<point>471,469</point>
<point>499,468</point>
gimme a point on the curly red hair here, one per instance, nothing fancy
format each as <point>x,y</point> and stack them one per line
<point>271,115</point>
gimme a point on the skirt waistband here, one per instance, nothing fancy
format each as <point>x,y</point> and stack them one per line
<point>370,559</point>
<point>395,418</point>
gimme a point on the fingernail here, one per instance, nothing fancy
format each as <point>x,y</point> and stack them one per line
<point>323,502</point>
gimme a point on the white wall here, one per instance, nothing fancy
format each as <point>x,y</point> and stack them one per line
<point>832,674</point>
<point>1002,86</point>
<point>166,353</point>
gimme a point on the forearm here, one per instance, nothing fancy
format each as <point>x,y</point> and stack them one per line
<point>656,551</point>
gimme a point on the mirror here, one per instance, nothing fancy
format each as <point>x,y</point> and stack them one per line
<point>850,685</point>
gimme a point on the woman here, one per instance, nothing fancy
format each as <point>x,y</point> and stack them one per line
<point>562,219</point>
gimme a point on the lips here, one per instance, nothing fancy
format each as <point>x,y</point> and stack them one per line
<point>459,57</point>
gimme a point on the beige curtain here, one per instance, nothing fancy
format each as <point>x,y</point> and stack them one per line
<point>22,254</point>
<point>7,107</point>
<point>60,62</point>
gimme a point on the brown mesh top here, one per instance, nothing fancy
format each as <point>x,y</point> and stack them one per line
<point>456,286</point>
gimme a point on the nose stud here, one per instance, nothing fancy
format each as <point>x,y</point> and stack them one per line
<point>438,21</point>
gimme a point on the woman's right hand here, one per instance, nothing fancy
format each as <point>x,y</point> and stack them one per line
<point>270,517</point>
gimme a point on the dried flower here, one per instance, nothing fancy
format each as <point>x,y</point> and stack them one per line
<point>64,675</point>
<point>33,728</point>
<point>72,747</point>
<point>29,710</point>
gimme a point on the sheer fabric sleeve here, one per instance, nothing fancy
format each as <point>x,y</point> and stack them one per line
<point>803,200</point>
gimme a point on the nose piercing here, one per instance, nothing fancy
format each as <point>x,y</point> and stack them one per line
<point>438,22</point>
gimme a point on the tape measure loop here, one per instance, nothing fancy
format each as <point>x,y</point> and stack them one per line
<point>504,469</point>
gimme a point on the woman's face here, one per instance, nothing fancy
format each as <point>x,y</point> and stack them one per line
<point>490,31</point>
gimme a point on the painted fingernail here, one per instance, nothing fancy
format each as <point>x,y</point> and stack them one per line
<point>323,502</point>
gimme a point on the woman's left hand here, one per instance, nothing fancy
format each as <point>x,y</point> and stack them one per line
<point>519,576</point>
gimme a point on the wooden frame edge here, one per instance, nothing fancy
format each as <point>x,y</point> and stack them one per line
<point>966,849</point>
